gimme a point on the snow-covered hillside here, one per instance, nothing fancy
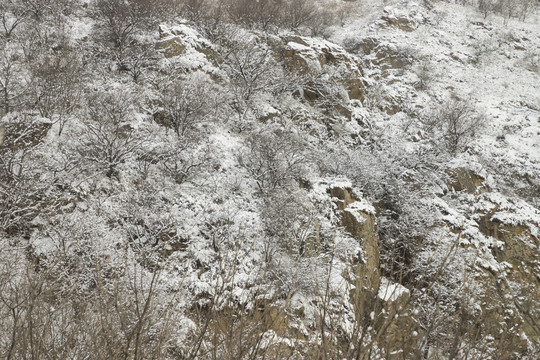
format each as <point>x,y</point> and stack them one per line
<point>311,179</point>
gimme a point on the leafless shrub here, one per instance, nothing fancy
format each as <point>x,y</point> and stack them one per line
<point>233,321</point>
<point>127,316</point>
<point>21,192</point>
<point>299,13</point>
<point>109,139</point>
<point>187,104</point>
<point>507,8</point>
<point>458,123</point>
<point>136,59</point>
<point>182,162</point>
<point>487,6</point>
<point>262,14</point>
<point>290,223</point>
<point>250,64</point>
<point>483,49</point>
<point>13,14</point>
<point>122,19</point>
<point>321,20</point>
<point>195,10</point>
<point>274,158</point>
<point>425,73</point>
<point>526,7</point>
<point>39,8</point>
<point>57,84</point>
<point>531,61</point>
<point>45,313</point>
<point>12,81</point>
<point>212,20</point>
<point>267,15</point>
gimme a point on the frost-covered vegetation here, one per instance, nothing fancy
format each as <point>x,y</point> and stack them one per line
<point>271,179</point>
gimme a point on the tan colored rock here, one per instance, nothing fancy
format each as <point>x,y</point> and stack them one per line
<point>368,44</point>
<point>376,298</point>
<point>391,109</point>
<point>402,23</point>
<point>389,58</point>
<point>361,224</point>
<point>396,323</point>
<point>521,254</point>
<point>302,55</point>
<point>356,89</point>
<point>300,58</point>
<point>467,180</point>
<point>408,20</point>
<point>500,319</point>
<point>2,134</point>
<point>180,40</point>
<point>171,47</point>
<point>521,247</point>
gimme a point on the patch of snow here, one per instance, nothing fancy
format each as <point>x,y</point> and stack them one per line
<point>390,291</point>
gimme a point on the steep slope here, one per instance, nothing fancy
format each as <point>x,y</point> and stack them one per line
<point>191,183</point>
<point>427,63</point>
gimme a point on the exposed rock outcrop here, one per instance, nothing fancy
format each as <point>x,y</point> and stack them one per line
<point>358,219</point>
<point>464,179</point>
<point>404,20</point>
<point>301,55</point>
<point>183,40</point>
<point>517,286</point>
<point>394,318</point>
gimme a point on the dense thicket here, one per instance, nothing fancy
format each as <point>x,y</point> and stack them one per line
<point>179,207</point>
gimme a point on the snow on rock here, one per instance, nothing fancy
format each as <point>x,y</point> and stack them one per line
<point>311,53</point>
<point>184,46</point>
<point>406,18</point>
<point>390,291</point>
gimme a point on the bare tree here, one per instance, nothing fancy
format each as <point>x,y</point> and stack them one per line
<point>110,140</point>
<point>136,60</point>
<point>37,8</point>
<point>425,73</point>
<point>458,123</point>
<point>13,14</point>
<point>123,18</point>
<point>186,104</point>
<point>274,158</point>
<point>298,13</point>
<point>290,222</point>
<point>487,6</point>
<point>250,65</point>
<point>525,8</point>
<point>45,313</point>
<point>57,84</point>
<point>12,82</point>
<point>262,14</point>
<point>21,191</point>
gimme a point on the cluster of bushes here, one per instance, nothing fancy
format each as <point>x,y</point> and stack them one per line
<point>312,16</point>
<point>507,8</point>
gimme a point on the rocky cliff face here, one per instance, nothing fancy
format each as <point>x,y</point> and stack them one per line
<point>269,193</point>
<point>358,219</point>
